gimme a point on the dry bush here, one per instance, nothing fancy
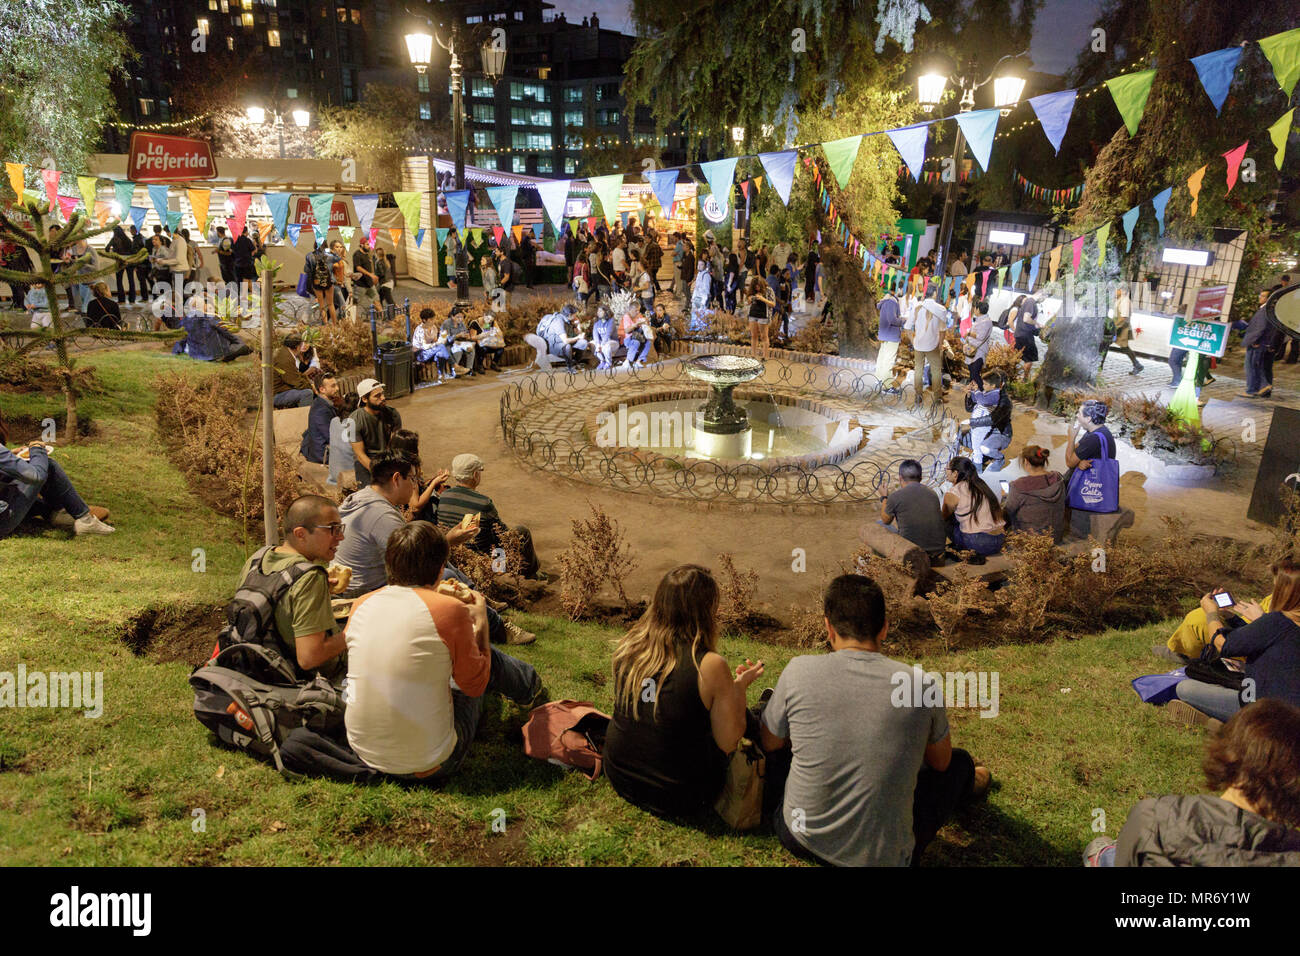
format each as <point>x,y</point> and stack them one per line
<point>205,428</point>
<point>482,571</point>
<point>344,345</point>
<point>1033,581</point>
<point>960,608</point>
<point>813,337</point>
<point>1006,359</point>
<point>1146,423</point>
<point>736,608</point>
<point>597,555</point>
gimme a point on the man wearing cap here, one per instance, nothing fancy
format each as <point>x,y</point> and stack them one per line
<point>463,498</point>
<point>373,424</point>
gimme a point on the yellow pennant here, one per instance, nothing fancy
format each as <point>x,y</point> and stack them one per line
<point>15,171</point>
<point>1194,186</point>
<point>199,199</point>
<point>1053,264</point>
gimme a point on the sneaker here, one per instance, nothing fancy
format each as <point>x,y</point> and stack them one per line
<point>1184,713</point>
<point>1137,370</point>
<point>982,783</point>
<point>1248,394</point>
<point>977,559</point>
<point>495,605</point>
<point>89,524</point>
<point>1092,853</point>
<point>517,635</point>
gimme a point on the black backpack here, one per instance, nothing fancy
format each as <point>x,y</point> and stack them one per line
<point>319,270</point>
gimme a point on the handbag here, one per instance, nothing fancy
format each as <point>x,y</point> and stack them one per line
<point>1159,688</point>
<point>1097,488</point>
<point>304,285</point>
<point>740,805</point>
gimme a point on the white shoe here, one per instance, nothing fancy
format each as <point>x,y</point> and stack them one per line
<point>89,524</point>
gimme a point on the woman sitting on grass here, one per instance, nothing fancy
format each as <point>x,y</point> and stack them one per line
<point>678,711</point>
<point>1254,765</point>
<point>976,515</point>
<point>1270,643</point>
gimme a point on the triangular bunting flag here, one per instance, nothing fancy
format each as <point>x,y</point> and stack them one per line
<point>16,173</point>
<point>841,154</point>
<point>292,232</point>
<point>123,190</point>
<point>1103,234</point>
<point>1159,201</point>
<point>503,201</point>
<point>1129,220</point>
<point>1015,272</point>
<point>264,229</point>
<point>1234,158</point>
<point>1033,271</point>
<point>199,200</point>
<point>573,226</point>
<point>347,232</point>
<point>321,204</point>
<point>441,235</point>
<point>1279,132</point>
<point>68,205</point>
<point>1053,111</point>
<point>278,203</point>
<point>518,232</point>
<point>1076,246</point>
<point>51,179</point>
<point>719,174</point>
<point>396,235</point>
<point>158,196</point>
<point>364,205</point>
<point>137,216</point>
<point>910,143</point>
<point>1215,70</point>
<point>103,212</point>
<point>1194,186</point>
<point>591,224</point>
<point>476,236</point>
<point>554,194</point>
<point>457,206</point>
<point>419,237</point>
<point>1053,264</point>
<point>174,220</point>
<point>606,189</point>
<point>663,183</point>
<point>498,234</point>
<point>239,203</point>
<point>408,204</point>
<point>1002,277</point>
<point>979,127</point>
<point>320,232</point>
<point>87,186</point>
<point>1130,93</point>
<point>1283,51</point>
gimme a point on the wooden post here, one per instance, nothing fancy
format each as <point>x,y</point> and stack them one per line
<point>268,412</point>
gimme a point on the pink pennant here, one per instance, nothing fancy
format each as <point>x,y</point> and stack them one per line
<point>66,206</point>
<point>1234,158</point>
<point>51,177</point>
<point>1077,247</point>
<point>374,234</point>
<point>499,233</point>
<point>235,223</point>
<point>591,223</point>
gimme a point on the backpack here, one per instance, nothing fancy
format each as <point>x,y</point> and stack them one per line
<point>250,622</point>
<point>1000,414</point>
<point>319,270</point>
<point>567,733</point>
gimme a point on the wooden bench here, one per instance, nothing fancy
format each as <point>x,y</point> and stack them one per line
<point>1099,528</point>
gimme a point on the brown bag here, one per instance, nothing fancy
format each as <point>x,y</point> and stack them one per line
<point>741,802</point>
<point>568,733</point>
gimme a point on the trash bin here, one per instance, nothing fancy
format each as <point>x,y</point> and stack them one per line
<point>394,367</point>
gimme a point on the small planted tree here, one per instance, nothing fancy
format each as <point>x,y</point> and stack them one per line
<point>46,243</point>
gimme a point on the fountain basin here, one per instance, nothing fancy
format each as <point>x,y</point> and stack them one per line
<point>723,429</point>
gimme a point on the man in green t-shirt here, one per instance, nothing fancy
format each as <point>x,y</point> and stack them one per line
<point>372,425</point>
<point>304,620</point>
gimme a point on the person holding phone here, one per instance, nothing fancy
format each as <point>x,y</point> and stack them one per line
<point>1269,642</point>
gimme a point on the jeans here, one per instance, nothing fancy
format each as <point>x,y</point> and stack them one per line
<point>937,796</point>
<point>1220,702</point>
<point>636,351</point>
<point>294,398</point>
<point>1255,369</point>
<point>1176,359</point>
<point>436,353</point>
<point>980,543</point>
<point>53,492</point>
<point>975,366</point>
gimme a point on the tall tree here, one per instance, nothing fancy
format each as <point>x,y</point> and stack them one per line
<point>57,61</point>
<point>378,132</point>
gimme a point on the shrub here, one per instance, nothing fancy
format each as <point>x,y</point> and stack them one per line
<point>343,345</point>
<point>1006,359</point>
<point>813,337</point>
<point>959,607</point>
<point>736,607</point>
<point>598,554</point>
<point>481,568</point>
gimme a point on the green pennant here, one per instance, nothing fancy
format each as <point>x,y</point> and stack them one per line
<point>1102,235</point>
<point>347,232</point>
<point>1283,51</point>
<point>409,204</point>
<point>476,235</point>
<point>606,189</point>
<point>840,156</point>
<point>573,226</point>
<point>1279,132</point>
<point>1130,93</point>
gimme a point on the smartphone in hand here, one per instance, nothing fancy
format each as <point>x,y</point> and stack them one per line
<point>1224,599</point>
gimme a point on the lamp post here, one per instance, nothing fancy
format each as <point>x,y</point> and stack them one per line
<point>257,116</point>
<point>738,137</point>
<point>1007,88</point>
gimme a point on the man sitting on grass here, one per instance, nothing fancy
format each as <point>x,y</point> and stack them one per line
<point>407,643</point>
<point>372,515</point>
<point>871,778</point>
<point>464,499</point>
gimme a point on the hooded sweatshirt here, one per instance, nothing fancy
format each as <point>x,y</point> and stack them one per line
<point>1037,503</point>
<point>1203,830</point>
<point>368,520</point>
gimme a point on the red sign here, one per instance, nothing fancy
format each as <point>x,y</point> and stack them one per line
<point>156,158</point>
<point>303,215</point>
<point>1209,302</point>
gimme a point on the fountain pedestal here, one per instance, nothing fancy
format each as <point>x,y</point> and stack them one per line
<point>722,429</point>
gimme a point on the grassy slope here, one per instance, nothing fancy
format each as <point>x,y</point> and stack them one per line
<point>121,789</point>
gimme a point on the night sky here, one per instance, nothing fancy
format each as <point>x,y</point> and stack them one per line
<point>1061,30</point>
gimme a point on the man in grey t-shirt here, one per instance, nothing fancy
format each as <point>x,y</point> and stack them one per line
<point>916,509</point>
<point>873,774</point>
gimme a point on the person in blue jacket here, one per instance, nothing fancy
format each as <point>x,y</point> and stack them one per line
<point>891,325</point>
<point>37,485</point>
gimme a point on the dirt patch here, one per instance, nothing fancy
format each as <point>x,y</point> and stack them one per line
<point>25,428</point>
<point>185,633</point>
<point>464,843</point>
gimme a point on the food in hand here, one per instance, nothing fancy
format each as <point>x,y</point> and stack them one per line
<point>453,588</point>
<point>339,577</point>
<point>469,519</point>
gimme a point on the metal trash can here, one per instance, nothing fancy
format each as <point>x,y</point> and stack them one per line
<point>395,368</point>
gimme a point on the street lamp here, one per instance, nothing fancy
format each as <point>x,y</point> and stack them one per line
<point>738,137</point>
<point>1007,87</point>
<point>257,116</point>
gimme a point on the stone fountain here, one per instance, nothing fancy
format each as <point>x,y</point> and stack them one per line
<point>722,429</point>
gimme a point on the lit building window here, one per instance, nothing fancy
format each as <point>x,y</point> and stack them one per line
<point>272,37</point>
<point>422,82</point>
<point>225,6</point>
<point>426,112</point>
<point>247,20</point>
<point>356,17</point>
<point>146,107</point>
<point>230,43</point>
<point>212,4</point>
<point>519,164</point>
<point>204,28</point>
<point>485,139</point>
<point>570,165</point>
<point>484,113</point>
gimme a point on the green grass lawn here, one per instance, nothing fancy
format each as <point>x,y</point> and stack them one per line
<point>1070,737</point>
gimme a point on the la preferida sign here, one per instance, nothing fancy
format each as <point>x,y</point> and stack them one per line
<point>158,158</point>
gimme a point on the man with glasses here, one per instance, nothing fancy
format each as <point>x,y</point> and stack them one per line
<point>304,620</point>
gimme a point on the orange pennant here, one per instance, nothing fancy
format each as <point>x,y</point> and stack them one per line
<point>396,234</point>
<point>517,232</point>
<point>1194,186</point>
<point>1054,263</point>
<point>264,230</point>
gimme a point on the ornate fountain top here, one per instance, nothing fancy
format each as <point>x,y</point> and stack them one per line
<point>724,369</point>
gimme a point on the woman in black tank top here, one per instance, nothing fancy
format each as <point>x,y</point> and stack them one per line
<point>760,299</point>
<point>666,750</point>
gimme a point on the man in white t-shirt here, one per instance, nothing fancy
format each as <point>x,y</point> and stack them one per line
<point>407,644</point>
<point>927,326</point>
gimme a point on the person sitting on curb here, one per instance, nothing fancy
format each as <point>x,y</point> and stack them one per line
<point>873,773</point>
<point>975,512</point>
<point>460,340</point>
<point>1253,821</point>
<point>292,388</point>
<point>562,337</point>
<point>430,345</point>
<point>464,498</point>
<point>1035,503</point>
<point>917,511</point>
<point>34,484</point>
<point>407,644</point>
<point>490,341</point>
<point>373,424</point>
<point>371,515</point>
<point>324,409</point>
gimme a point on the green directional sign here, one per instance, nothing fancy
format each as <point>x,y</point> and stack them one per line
<point>1203,335</point>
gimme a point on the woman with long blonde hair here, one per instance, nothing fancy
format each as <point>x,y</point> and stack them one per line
<point>678,711</point>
